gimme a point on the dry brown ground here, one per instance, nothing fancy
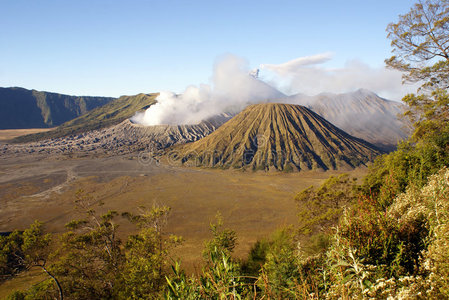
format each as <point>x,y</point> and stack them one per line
<point>9,134</point>
<point>253,204</point>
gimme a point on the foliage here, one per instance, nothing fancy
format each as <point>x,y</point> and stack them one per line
<point>320,208</point>
<point>180,286</point>
<point>40,291</point>
<point>92,262</point>
<point>420,44</point>
<point>223,239</point>
<point>431,203</point>
<point>419,40</point>
<point>221,277</point>
<point>147,255</point>
<point>281,266</point>
<point>380,240</point>
<point>411,164</point>
<point>22,251</point>
<point>256,257</point>
<point>428,113</point>
<point>90,257</point>
<point>10,264</point>
<point>348,276</point>
<point>397,251</point>
<point>288,273</point>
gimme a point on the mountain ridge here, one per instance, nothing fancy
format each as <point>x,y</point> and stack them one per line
<point>110,114</point>
<point>22,108</point>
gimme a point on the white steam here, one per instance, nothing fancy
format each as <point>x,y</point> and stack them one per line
<point>233,87</point>
<point>305,75</point>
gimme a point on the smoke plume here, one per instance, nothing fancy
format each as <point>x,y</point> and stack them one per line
<point>233,87</point>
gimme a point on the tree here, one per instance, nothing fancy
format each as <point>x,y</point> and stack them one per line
<point>420,41</point>
<point>224,239</point>
<point>221,277</point>
<point>147,254</point>
<point>22,251</point>
<point>94,263</point>
<point>91,261</point>
<point>90,258</point>
<point>35,251</point>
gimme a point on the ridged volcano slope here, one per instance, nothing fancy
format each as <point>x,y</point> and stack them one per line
<point>276,136</point>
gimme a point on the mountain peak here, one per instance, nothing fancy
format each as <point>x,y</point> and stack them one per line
<point>276,136</point>
<point>364,91</point>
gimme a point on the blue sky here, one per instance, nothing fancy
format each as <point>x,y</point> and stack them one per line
<point>112,48</point>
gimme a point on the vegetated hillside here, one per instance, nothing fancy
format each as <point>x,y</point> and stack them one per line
<point>21,108</point>
<point>276,136</point>
<point>362,114</point>
<point>110,114</point>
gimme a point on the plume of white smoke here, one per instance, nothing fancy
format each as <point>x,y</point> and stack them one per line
<point>305,75</point>
<point>233,87</point>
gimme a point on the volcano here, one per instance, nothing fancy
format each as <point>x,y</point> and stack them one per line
<point>274,136</point>
<point>362,114</point>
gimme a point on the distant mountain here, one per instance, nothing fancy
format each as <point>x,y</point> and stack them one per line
<point>112,113</point>
<point>22,108</point>
<point>362,114</point>
<point>276,136</point>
